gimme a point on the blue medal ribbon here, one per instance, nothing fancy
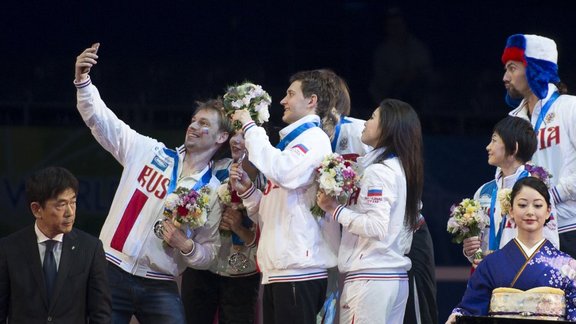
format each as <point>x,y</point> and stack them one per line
<point>295,133</point>
<point>174,156</point>
<point>544,110</point>
<point>204,180</point>
<point>496,236</point>
<point>174,180</point>
<point>341,121</point>
<point>247,223</point>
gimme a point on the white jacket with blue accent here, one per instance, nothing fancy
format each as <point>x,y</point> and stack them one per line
<point>294,245</point>
<point>139,199</point>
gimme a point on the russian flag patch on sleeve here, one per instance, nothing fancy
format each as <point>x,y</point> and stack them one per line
<point>374,192</point>
<point>300,148</point>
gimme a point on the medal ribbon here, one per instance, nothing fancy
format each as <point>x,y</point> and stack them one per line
<point>496,236</point>
<point>295,133</point>
<point>544,110</point>
<point>341,121</point>
<point>173,181</point>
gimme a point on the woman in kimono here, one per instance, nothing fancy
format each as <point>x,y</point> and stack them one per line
<point>526,262</point>
<point>512,145</point>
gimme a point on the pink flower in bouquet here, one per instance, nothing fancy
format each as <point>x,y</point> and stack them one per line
<point>187,206</point>
<point>336,177</point>
<point>538,172</point>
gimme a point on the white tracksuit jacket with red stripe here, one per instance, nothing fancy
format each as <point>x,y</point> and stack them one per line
<point>127,233</point>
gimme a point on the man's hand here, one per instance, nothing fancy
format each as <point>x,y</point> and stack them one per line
<point>85,61</point>
<point>242,115</point>
<point>176,238</point>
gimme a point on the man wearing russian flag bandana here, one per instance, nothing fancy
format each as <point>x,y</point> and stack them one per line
<point>534,89</point>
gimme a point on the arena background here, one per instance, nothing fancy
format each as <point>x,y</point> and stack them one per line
<point>158,57</point>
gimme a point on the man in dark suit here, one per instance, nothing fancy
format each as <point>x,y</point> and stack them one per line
<point>50,272</point>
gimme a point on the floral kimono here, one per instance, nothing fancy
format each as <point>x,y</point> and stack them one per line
<point>511,267</point>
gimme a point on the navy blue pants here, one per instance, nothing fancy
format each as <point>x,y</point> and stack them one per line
<point>151,301</point>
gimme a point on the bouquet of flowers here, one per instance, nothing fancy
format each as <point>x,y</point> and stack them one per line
<point>505,194</point>
<point>504,198</point>
<point>248,96</point>
<point>188,206</point>
<point>467,219</point>
<point>337,177</point>
<point>538,172</point>
<point>224,195</point>
<point>228,197</point>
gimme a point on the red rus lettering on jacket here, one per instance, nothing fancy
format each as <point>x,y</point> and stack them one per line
<point>153,181</point>
<point>548,136</point>
<point>269,187</point>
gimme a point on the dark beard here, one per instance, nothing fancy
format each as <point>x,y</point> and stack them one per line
<point>514,94</point>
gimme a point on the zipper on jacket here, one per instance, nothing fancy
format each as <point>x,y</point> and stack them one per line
<point>352,250</point>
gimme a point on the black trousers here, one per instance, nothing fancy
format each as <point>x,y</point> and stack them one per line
<point>424,276</point>
<point>568,243</point>
<point>204,293</point>
<point>293,302</point>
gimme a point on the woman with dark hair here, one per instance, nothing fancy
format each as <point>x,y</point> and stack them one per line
<point>512,145</point>
<point>378,222</point>
<point>526,262</point>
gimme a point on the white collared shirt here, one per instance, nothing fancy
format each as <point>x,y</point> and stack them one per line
<point>42,245</point>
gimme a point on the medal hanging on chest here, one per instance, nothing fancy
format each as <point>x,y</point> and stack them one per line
<point>238,261</point>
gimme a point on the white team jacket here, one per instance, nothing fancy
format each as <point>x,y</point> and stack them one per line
<point>557,152</point>
<point>374,236</point>
<point>294,245</point>
<point>347,141</point>
<point>127,233</point>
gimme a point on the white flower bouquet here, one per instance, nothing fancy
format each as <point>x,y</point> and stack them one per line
<point>467,219</point>
<point>504,198</point>
<point>228,197</point>
<point>336,177</point>
<point>224,195</point>
<point>248,96</point>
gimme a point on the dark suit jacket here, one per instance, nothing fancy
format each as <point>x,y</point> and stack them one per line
<point>81,292</point>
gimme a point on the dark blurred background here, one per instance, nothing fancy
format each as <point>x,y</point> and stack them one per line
<point>158,57</point>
